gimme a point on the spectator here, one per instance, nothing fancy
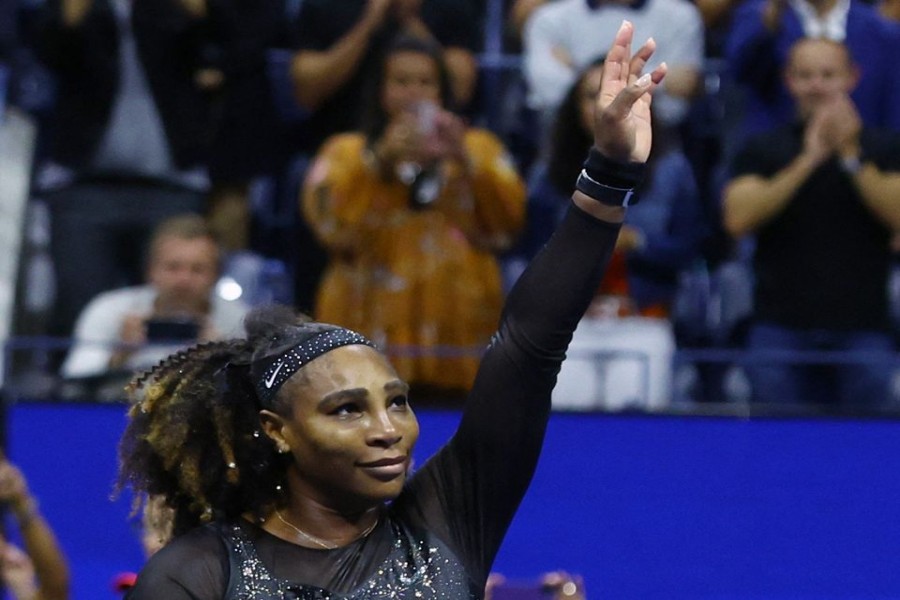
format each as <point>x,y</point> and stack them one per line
<point>413,210</point>
<point>820,197</point>
<point>133,327</point>
<point>338,44</point>
<point>762,33</point>
<point>40,571</point>
<point>563,37</point>
<point>130,135</point>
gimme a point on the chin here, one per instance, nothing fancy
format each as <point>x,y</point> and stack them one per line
<point>390,492</point>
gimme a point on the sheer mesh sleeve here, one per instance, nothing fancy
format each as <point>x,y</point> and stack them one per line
<point>193,567</point>
<point>469,491</point>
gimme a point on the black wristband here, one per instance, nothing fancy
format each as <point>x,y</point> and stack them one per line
<point>606,171</point>
<point>605,194</point>
<point>609,182</point>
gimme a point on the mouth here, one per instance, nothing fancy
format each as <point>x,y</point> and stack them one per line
<point>386,469</point>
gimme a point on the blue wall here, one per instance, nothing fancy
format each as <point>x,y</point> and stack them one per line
<point>643,507</point>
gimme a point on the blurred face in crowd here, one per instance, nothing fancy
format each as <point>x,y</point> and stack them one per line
<point>409,79</point>
<point>817,72</point>
<point>183,271</point>
<point>587,96</point>
<point>349,428</point>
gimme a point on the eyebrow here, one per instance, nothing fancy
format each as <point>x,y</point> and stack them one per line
<point>361,392</point>
<point>397,385</point>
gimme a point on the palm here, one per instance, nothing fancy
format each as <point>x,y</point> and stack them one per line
<point>622,113</point>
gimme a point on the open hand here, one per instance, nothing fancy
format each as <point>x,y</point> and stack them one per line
<point>622,112</point>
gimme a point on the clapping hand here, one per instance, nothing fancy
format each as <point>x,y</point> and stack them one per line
<point>833,128</point>
<point>622,112</point>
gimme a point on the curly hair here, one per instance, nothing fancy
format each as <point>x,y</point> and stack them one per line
<point>194,435</point>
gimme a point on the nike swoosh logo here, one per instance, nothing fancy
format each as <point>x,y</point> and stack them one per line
<point>271,380</point>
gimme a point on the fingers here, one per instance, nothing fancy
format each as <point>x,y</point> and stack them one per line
<point>659,73</point>
<point>640,58</point>
<point>636,90</point>
<point>621,68</point>
<point>615,67</point>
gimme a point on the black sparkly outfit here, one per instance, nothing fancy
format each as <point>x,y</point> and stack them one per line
<point>438,539</point>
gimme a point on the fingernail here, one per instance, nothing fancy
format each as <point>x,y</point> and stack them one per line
<point>625,23</point>
<point>644,80</point>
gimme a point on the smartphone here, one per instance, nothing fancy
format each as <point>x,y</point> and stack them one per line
<point>426,115</point>
<point>172,330</point>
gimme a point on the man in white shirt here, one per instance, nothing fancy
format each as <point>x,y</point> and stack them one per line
<point>134,327</point>
<point>563,37</point>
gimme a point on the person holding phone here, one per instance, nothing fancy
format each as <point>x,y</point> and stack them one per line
<point>132,328</point>
<point>286,455</point>
<point>414,210</point>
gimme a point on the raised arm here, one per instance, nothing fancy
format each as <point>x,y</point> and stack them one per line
<point>50,567</point>
<point>483,473</point>
<point>317,75</point>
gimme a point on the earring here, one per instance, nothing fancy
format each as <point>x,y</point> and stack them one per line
<point>283,448</point>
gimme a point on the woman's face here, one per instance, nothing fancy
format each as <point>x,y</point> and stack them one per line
<point>409,78</point>
<point>587,97</point>
<point>350,431</point>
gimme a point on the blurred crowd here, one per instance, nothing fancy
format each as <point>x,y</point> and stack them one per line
<point>391,165</point>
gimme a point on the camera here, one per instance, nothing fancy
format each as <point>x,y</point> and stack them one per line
<point>172,330</point>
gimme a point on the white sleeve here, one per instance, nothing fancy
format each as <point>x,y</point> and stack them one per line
<point>96,333</point>
<point>685,38</point>
<point>548,79</point>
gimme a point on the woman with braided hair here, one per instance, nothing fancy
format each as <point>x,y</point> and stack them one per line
<point>286,456</point>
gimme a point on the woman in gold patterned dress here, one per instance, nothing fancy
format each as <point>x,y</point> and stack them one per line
<point>413,210</point>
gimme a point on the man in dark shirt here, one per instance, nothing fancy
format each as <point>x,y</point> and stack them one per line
<point>822,197</point>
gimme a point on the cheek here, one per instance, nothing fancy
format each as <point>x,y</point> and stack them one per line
<point>433,93</point>
<point>411,431</point>
<point>324,455</point>
<point>392,99</point>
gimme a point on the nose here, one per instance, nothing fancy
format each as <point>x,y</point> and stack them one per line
<point>383,431</point>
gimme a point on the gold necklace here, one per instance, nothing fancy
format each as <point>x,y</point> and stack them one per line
<point>319,541</point>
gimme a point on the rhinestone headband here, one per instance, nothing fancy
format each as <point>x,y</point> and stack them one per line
<point>283,365</point>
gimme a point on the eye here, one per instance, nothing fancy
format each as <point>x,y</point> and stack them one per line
<point>346,409</point>
<point>398,402</point>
